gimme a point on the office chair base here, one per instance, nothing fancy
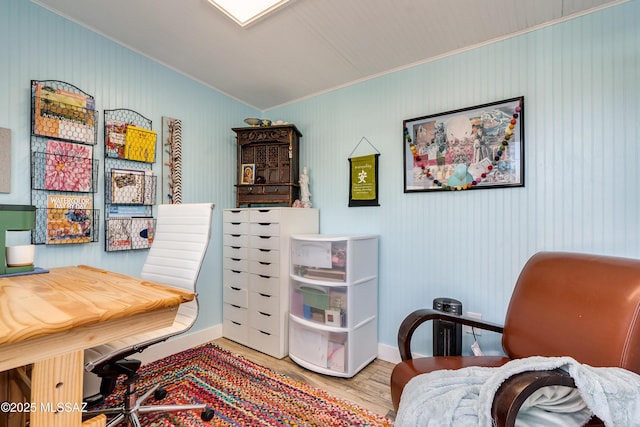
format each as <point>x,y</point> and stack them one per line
<point>131,410</point>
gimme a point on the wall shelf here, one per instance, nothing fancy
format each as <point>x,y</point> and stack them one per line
<point>64,173</point>
<point>130,183</point>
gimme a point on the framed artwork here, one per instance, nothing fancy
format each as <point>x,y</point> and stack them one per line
<point>248,173</point>
<point>467,149</point>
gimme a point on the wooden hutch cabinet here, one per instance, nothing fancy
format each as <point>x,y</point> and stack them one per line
<point>273,151</point>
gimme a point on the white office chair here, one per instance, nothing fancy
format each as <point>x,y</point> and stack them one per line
<point>175,257</point>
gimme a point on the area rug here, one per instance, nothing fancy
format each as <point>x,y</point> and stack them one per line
<point>242,394</point>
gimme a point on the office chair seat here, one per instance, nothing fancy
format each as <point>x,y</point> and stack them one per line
<point>96,355</point>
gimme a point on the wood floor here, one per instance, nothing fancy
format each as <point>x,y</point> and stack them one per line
<point>369,388</point>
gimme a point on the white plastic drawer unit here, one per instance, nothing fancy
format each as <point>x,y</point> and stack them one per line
<point>256,274</point>
<point>333,302</point>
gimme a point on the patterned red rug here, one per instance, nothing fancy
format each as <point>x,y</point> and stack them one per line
<point>242,394</point>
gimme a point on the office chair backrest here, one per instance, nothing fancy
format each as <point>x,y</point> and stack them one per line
<point>182,233</point>
<point>578,305</point>
<point>179,246</point>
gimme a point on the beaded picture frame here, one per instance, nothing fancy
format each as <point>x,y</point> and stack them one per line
<point>467,149</point>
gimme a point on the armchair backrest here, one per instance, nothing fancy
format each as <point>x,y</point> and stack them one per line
<point>579,305</point>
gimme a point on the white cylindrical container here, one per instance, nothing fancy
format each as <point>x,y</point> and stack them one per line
<point>20,255</point>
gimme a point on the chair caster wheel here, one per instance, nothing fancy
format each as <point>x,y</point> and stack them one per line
<point>207,414</point>
<point>160,393</point>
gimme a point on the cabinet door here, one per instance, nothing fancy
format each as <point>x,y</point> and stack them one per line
<point>271,161</point>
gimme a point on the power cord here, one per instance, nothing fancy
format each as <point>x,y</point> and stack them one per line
<point>475,347</point>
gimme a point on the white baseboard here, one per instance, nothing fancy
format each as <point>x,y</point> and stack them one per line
<point>189,340</point>
<point>388,353</point>
<point>180,343</point>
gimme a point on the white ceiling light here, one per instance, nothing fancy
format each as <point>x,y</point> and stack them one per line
<point>245,12</point>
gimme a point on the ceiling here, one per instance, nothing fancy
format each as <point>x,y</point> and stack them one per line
<point>309,46</point>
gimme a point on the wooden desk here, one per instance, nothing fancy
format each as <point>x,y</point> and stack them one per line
<point>49,319</point>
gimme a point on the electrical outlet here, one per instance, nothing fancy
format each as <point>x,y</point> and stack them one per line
<point>467,329</point>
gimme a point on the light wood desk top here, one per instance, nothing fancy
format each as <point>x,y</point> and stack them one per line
<point>49,319</point>
<point>70,297</point>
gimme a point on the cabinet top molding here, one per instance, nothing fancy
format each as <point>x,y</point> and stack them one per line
<point>266,133</point>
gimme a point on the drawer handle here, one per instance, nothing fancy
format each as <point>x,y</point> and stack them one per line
<point>264,250</point>
<point>235,271</point>
<point>234,288</point>
<point>263,332</point>
<point>235,235</point>
<point>235,306</point>
<point>236,323</point>
<point>264,224</point>
<point>264,277</point>
<point>264,263</point>
<point>264,295</point>
<point>264,314</point>
<point>235,247</point>
<point>236,259</point>
<point>236,223</point>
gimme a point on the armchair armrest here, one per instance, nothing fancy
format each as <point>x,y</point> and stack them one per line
<point>514,391</point>
<point>418,317</point>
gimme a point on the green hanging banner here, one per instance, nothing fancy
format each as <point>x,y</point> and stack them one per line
<point>363,182</point>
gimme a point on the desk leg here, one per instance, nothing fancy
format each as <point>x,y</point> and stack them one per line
<point>56,390</point>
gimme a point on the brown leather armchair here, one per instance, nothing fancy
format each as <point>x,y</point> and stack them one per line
<point>564,304</point>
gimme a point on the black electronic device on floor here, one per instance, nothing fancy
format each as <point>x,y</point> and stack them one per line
<point>447,336</point>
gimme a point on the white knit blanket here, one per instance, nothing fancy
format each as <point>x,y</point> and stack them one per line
<point>464,397</point>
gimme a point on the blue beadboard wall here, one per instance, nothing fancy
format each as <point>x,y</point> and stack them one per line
<point>581,82</point>
<point>40,45</point>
